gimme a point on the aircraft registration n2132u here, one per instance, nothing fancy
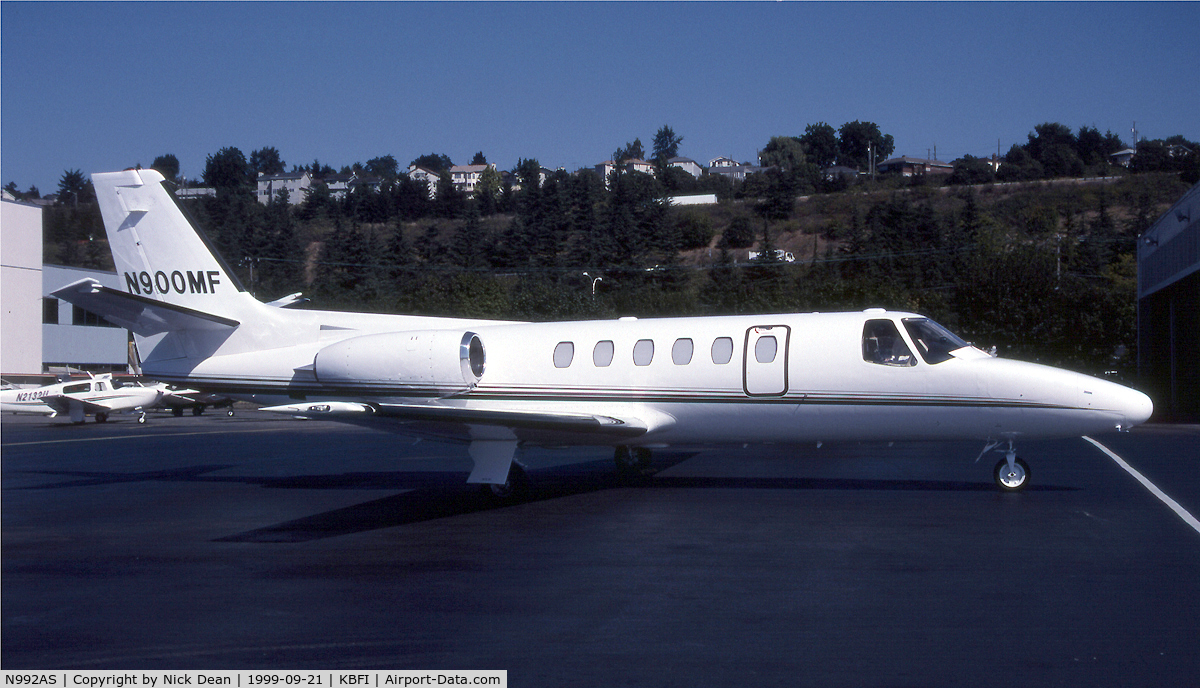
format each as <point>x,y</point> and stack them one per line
<point>628,383</point>
<point>99,396</point>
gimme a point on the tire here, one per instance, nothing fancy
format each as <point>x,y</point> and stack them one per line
<point>514,490</point>
<point>633,466</point>
<point>177,411</point>
<point>101,417</point>
<point>197,410</point>
<point>1014,482</point>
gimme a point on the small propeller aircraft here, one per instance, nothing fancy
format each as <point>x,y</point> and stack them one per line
<point>178,399</point>
<point>630,384</point>
<point>99,396</point>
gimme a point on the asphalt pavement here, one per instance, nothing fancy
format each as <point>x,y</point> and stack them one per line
<point>263,542</point>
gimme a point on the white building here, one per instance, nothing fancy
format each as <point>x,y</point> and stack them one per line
<point>687,165</point>
<point>723,162</point>
<point>296,183</point>
<point>74,337</point>
<point>466,177</point>
<point>633,165</point>
<point>38,331</point>
<point>422,174</point>
<point>20,287</point>
<point>736,172</point>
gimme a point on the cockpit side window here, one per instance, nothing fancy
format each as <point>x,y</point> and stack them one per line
<point>882,344</point>
<point>933,341</point>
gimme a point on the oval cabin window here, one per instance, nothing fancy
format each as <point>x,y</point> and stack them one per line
<point>722,350</point>
<point>602,355</point>
<point>643,352</point>
<point>681,353</point>
<point>563,353</point>
<point>765,349</point>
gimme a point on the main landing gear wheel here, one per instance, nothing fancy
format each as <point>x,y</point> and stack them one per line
<point>197,410</point>
<point>633,463</point>
<point>1012,479</point>
<point>515,489</point>
<point>101,417</point>
<point>177,411</point>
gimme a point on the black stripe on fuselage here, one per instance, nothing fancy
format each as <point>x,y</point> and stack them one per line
<point>792,398</point>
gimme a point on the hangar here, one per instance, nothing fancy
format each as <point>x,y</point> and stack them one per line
<point>1169,309</point>
<point>40,333</point>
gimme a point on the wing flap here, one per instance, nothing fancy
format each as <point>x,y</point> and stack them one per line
<point>140,315</point>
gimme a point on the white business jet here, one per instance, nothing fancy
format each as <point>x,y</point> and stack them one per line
<point>627,383</point>
<point>100,396</point>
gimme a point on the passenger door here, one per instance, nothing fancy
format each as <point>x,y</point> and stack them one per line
<point>764,360</point>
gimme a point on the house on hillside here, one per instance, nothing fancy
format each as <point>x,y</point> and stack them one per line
<point>424,174</point>
<point>687,165</point>
<point>296,184</point>
<point>736,172</point>
<point>909,167</point>
<point>1122,157</point>
<point>466,177</point>
<point>633,165</point>
<point>840,172</point>
<point>722,162</point>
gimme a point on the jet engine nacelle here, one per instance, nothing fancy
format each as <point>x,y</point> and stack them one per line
<point>446,360</point>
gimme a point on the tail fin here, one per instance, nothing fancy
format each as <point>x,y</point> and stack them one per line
<point>159,252</point>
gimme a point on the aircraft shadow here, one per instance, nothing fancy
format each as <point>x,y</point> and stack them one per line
<point>428,495</point>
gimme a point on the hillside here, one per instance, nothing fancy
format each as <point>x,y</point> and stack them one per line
<point>1040,270</point>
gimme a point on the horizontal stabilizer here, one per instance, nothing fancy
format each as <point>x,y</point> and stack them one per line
<point>141,315</point>
<point>517,419</point>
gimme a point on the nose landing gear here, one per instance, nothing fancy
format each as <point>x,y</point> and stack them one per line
<point>1011,473</point>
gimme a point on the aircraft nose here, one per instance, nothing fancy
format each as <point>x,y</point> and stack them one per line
<point>1136,407</point>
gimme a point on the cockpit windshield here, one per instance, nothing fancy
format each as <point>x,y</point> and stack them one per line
<point>933,341</point>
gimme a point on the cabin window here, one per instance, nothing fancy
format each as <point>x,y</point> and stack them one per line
<point>882,344</point>
<point>643,352</point>
<point>933,341</point>
<point>77,388</point>
<point>681,352</point>
<point>722,350</point>
<point>765,349</point>
<point>602,355</point>
<point>563,353</point>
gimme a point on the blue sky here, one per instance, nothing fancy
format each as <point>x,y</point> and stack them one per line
<point>103,86</point>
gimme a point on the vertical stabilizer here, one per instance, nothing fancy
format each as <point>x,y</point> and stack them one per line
<point>159,253</point>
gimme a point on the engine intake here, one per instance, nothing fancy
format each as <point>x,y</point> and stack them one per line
<point>445,360</point>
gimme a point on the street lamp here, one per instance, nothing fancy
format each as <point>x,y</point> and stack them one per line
<point>594,281</point>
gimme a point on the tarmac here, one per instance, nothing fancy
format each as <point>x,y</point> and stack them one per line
<point>260,542</point>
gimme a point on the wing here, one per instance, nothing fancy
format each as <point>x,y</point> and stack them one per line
<point>61,403</point>
<point>138,314</point>
<point>544,421</point>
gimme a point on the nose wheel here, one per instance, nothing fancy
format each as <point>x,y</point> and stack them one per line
<point>1011,474</point>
